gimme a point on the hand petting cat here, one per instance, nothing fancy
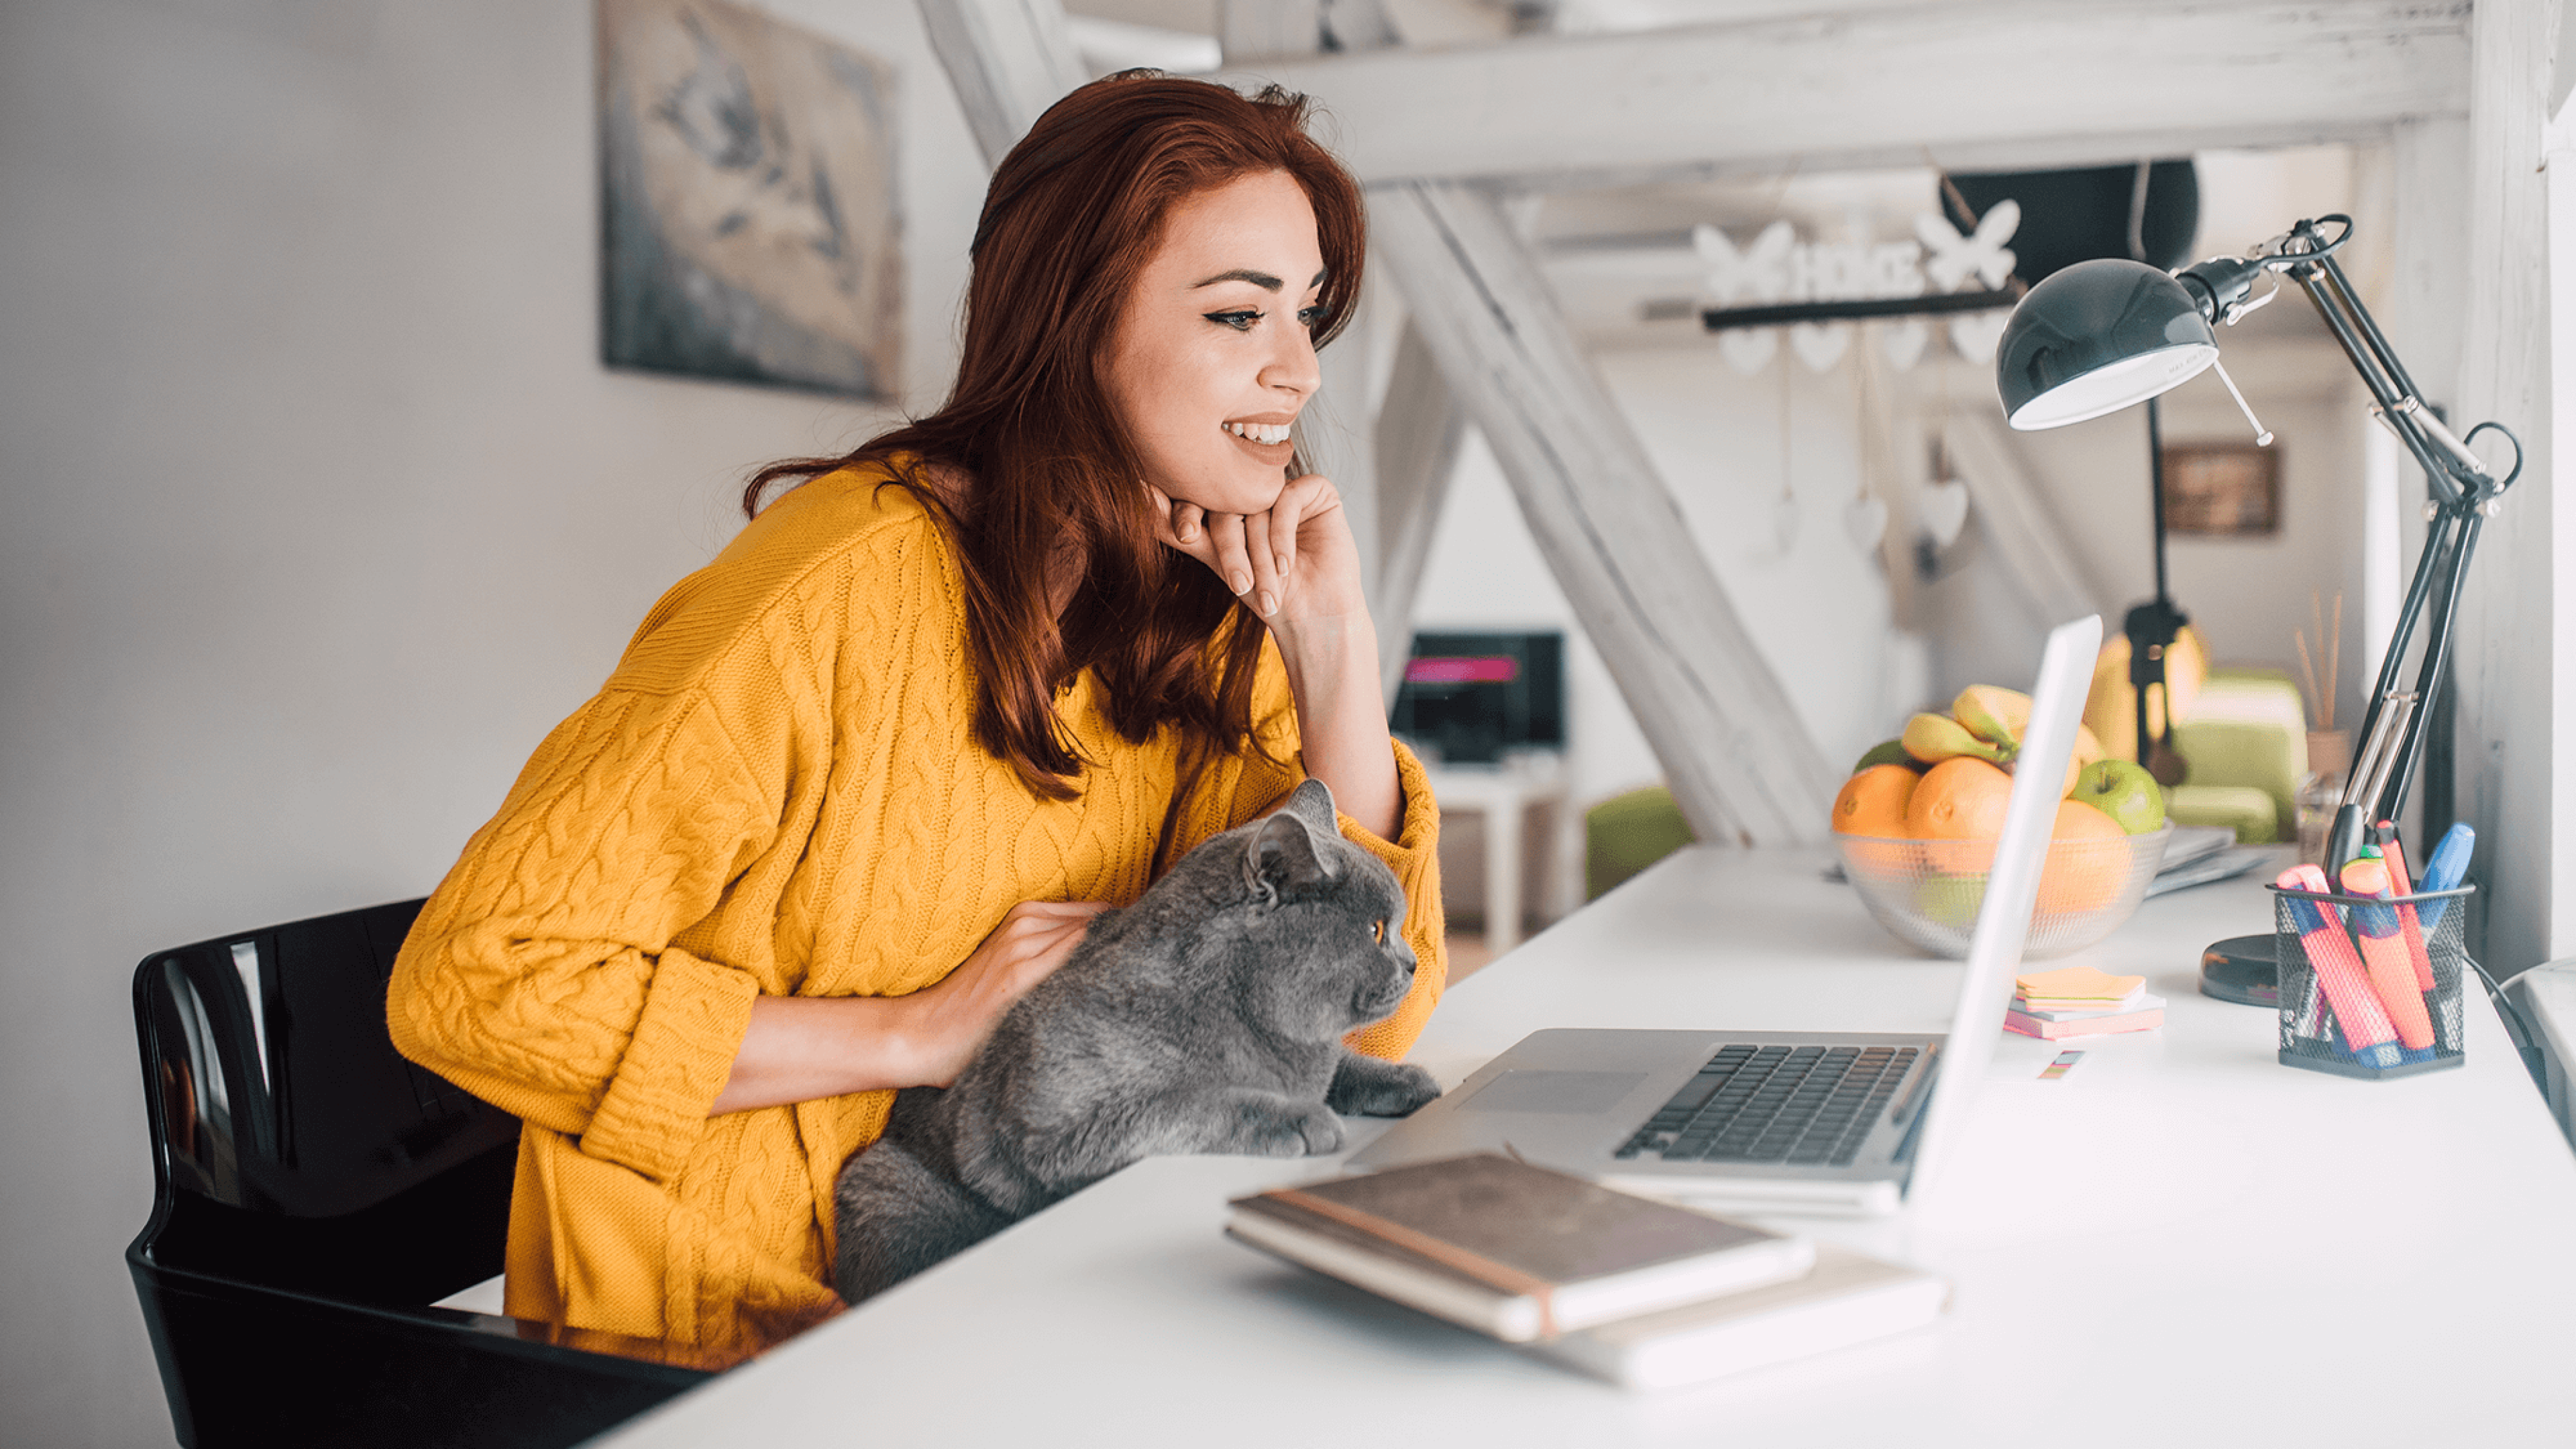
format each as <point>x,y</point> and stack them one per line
<point>950,1020</point>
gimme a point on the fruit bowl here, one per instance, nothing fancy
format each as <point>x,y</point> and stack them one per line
<point>1927,892</point>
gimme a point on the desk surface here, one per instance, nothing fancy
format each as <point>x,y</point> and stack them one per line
<point>2249,1253</point>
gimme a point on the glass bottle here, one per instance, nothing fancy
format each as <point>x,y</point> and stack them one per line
<point>2329,760</point>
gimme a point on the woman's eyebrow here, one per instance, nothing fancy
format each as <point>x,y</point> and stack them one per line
<point>1263,280</point>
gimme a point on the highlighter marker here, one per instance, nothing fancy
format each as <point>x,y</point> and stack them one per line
<point>2447,868</point>
<point>2407,924</point>
<point>2383,953</point>
<point>2362,1020</point>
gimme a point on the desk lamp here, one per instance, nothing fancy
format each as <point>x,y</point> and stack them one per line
<point>2103,335</point>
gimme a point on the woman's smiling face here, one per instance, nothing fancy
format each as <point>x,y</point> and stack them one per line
<point>1213,354</point>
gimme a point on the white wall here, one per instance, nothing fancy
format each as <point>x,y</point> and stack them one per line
<point>316,510</point>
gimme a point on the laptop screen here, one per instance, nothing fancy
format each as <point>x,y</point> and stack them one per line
<point>2012,887</point>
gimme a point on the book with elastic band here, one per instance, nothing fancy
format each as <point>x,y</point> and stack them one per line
<point>1511,1250</point>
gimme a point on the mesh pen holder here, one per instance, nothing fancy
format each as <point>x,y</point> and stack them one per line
<point>2370,988</point>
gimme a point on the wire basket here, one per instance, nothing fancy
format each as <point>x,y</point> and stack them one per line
<point>1927,892</point>
<point>2370,988</point>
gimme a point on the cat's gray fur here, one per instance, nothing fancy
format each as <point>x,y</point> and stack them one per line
<point>1207,1017</point>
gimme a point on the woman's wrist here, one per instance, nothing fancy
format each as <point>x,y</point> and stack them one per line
<point>1332,670</point>
<point>799,1048</point>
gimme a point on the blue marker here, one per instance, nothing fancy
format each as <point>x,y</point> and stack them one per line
<point>2448,867</point>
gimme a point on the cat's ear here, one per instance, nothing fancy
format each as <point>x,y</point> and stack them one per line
<point>1314,803</point>
<point>1282,856</point>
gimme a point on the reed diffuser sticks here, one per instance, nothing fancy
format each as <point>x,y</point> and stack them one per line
<point>2321,702</point>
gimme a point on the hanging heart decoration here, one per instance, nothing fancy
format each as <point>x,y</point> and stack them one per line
<point>1784,522</point>
<point>1978,334</point>
<point>1944,510</point>
<point>1817,346</point>
<point>1748,349</point>
<point>1902,343</point>
<point>1865,521</point>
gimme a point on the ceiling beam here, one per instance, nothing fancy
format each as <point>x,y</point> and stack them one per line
<point>1008,59</point>
<point>1739,759</point>
<point>2001,83</point>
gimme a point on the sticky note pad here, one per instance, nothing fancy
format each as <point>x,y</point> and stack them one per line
<point>2077,983</point>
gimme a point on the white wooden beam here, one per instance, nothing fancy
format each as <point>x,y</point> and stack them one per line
<point>2515,644</point>
<point>2010,515</point>
<point>1008,60</point>
<point>1739,760</point>
<point>1993,83</point>
<point>1262,30</point>
<point>1419,429</point>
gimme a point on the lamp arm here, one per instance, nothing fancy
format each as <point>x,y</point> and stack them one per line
<point>2453,468</point>
<point>2392,662</point>
<point>2437,654</point>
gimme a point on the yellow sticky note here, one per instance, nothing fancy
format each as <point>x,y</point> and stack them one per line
<point>2078,983</point>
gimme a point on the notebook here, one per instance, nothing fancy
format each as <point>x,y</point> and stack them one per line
<point>1829,1122</point>
<point>1510,1249</point>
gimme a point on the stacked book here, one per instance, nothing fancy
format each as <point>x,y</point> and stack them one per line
<point>2081,1001</point>
<point>1644,1293</point>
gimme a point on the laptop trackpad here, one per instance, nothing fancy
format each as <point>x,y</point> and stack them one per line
<point>1572,1093</point>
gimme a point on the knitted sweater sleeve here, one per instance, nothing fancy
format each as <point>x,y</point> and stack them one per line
<point>542,975</point>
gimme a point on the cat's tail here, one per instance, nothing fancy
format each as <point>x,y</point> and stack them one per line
<point>896,1217</point>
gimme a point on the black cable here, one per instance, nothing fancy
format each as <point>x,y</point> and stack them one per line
<point>2526,1040</point>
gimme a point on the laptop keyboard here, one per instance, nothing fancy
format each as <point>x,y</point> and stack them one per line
<point>1808,1105</point>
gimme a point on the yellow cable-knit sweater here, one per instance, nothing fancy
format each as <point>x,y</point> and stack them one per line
<point>777,792</point>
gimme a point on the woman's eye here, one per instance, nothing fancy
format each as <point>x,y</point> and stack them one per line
<point>1239,321</point>
<point>1312,317</point>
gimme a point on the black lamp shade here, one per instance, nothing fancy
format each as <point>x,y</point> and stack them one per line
<point>2095,338</point>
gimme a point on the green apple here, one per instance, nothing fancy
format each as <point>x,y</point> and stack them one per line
<point>1950,900</point>
<point>1889,752</point>
<point>2123,790</point>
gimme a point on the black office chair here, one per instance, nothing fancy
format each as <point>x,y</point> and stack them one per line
<point>314,1192</point>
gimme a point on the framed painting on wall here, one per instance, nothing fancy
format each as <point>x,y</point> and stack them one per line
<point>750,227</point>
<point>2222,490</point>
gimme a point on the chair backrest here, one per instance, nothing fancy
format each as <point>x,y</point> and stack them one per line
<point>294,1146</point>
<point>314,1191</point>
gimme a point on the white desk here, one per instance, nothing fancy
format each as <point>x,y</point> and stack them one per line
<point>2255,1255</point>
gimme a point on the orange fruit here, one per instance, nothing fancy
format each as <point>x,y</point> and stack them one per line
<point>1873,802</point>
<point>2088,858</point>
<point>1959,804</point>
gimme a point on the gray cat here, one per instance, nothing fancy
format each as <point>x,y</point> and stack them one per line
<point>1207,1017</point>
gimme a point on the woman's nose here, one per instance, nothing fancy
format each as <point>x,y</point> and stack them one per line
<point>1292,364</point>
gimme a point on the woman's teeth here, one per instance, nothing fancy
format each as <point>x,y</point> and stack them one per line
<point>1260,432</point>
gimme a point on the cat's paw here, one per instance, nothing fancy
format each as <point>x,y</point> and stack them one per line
<point>1368,1087</point>
<point>1306,1131</point>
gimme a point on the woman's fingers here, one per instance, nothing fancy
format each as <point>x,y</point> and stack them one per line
<point>1233,562</point>
<point>1180,525</point>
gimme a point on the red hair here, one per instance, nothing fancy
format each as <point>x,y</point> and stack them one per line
<point>1071,218</point>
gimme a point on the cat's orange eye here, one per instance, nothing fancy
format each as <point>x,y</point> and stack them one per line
<point>1380,929</point>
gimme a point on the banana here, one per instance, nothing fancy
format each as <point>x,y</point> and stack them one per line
<point>1933,738</point>
<point>1994,714</point>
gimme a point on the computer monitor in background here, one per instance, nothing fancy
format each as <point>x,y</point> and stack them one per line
<point>1472,696</point>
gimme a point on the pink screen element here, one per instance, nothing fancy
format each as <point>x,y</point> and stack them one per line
<point>1488,669</point>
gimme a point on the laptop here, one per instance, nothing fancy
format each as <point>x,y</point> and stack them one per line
<point>1844,1123</point>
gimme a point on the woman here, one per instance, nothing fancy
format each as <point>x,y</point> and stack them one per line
<point>862,781</point>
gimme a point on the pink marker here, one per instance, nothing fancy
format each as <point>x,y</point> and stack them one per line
<point>2383,952</point>
<point>2407,925</point>
<point>2357,1010</point>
